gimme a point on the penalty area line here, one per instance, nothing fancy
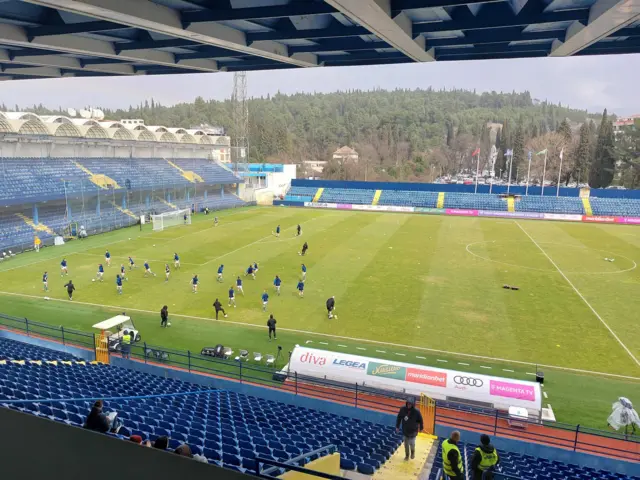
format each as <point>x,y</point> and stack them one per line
<point>586,302</point>
<point>328,335</point>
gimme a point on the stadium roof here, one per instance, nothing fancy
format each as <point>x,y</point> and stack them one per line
<point>66,38</point>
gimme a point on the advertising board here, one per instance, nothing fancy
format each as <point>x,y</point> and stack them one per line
<point>411,379</point>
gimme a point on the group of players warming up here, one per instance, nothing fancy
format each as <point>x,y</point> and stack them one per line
<point>237,288</point>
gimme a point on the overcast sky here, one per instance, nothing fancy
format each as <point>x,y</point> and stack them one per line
<point>592,82</point>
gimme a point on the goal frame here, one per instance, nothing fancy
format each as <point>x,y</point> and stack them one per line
<point>176,216</point>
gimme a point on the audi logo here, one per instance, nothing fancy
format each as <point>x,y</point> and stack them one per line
<point>469,381</point>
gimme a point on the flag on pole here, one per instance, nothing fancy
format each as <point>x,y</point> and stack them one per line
<point>542,152</point>
<point>561,152</point>
<point>529,154</point>
<point>508,153</point>
<point>476,152</point>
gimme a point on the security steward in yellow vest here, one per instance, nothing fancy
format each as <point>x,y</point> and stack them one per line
<point>126,344</point>
<point>451,457</point>
<point>484,457</point>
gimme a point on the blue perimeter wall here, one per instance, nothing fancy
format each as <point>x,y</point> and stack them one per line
<point>447,187</point>
<point>470,437</point>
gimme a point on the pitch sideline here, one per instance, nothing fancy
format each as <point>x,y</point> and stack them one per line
<point>340,337</point>
<point>579,294</point>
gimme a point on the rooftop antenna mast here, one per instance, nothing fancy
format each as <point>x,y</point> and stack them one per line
<point>240,150</point>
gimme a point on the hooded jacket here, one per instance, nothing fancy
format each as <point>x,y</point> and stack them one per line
<point>97,421</point>
<point>477,458</point>
<point>411,421</point>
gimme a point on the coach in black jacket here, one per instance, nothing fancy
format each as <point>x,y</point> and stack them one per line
<point>412,424</point>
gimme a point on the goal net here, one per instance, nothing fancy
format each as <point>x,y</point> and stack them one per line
<point>171,219</point>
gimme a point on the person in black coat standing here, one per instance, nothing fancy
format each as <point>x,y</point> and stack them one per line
<point>271,323</point>
<point>412,424</point>
<point>164,317</point>
<point>70,288</point>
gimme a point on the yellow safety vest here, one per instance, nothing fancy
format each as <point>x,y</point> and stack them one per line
<point>447,446</point>
<point>488,459</point>
<point>126,339</point>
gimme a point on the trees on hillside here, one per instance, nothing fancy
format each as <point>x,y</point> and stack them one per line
<point>604,156</point>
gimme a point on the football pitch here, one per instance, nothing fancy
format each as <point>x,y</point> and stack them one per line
<point>413,288</point>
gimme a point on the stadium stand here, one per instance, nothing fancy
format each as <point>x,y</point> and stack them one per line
<point>567,205</point>
<point>228,428</point>
<point>615,206</point>
<point>347,195</point>
<point>475,202</point>
<point>12,350</point>
<point>517,466</point>
<point>301,194</point>
<point>408,199</point>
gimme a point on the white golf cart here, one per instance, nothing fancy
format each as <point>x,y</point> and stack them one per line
<point>113,329</point>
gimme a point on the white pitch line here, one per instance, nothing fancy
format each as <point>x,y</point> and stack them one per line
<point>308,342</point>
<point>421,358</point>
<point>324,343</point>
<point>401,354</point>
<point>343,346</point>
<point>482,366</point>
<point>360,348</point>
<point>529,373</point>
<point>507,370</point>
<point>580,295</point>
<point>462,363</point>
<point>443,361</point>
<point>545,395</point>
<point>328,335</point>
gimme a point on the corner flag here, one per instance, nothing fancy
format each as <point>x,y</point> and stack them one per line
<point>476,152</point>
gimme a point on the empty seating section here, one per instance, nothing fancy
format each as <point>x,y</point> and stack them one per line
<point>348,195</point>
<point>12,350</point>
<point>301,194</point>
<point>54,177</point>
<point>532,468</point>
<point>615,206</point>
<point>406,198</point>
<point>228,428</point>
<point>567,205</point>
<point>474,202</point>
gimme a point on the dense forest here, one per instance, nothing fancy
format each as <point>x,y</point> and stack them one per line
<point>414,135</point>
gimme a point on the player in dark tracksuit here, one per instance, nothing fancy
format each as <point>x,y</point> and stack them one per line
<point>70,288</point>
<point>164,316</point>
<point>271,323</point>
<point>305,247</point>
<point>218,306</point>
<point>331,305</point>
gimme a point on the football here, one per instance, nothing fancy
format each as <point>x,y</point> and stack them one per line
<point>168,324</point>
<point>93,279</point>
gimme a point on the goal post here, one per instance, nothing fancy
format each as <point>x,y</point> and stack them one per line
<point>171,219</point>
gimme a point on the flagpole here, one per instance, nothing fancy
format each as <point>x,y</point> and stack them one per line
<point>559,174</point>
<point>544,171</point>
<point>510,165</point>
<point>526,192</point>
<point>477,170</point>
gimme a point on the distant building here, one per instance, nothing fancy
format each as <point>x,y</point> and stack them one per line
<point>313,166</point>
<point>627,122</point>
<point>345,153</point>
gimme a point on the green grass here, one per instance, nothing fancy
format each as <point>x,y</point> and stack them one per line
<point>422,287</point>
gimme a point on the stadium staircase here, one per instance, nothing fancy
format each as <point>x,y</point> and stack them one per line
<point>396,468</point>
<point>440,203</point>
<point>586,204</point>
<point>318,194</point>
<point>98,179</point>
<point>376,197</point>
<point>168,204</point>
<point>511,204</point>
<point>186,174</point>
<point>38,228</point>
<point>124,210</point>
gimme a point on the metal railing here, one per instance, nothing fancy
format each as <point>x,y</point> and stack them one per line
<point>292,464</point>
<point>571,437</point>
<point>66,336</point>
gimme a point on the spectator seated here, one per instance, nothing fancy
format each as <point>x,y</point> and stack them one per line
<point>228,428</point>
